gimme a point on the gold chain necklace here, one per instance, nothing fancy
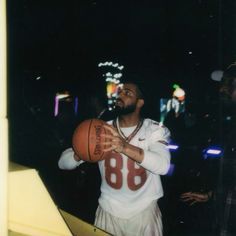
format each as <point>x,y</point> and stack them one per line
<point>127,139</point>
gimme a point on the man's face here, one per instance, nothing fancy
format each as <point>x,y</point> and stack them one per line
<point>127,99</point>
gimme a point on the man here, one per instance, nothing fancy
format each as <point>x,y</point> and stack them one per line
<point>131,184</point>
<point>227,185</point>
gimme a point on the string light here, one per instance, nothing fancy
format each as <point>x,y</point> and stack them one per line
<point>112,79</point>
<point>58,97</point>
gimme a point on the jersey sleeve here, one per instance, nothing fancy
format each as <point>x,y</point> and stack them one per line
<point>67,160</point>
<point>157,156</point>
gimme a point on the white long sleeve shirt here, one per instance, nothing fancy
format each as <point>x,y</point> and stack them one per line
<point>128,187</point>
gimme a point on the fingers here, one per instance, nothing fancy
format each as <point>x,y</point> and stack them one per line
<point>113,140</point>
<point>199,195</point>
<point>190,200</point>
<point>195,197</point>
<point>76,157</point>
<point>108,136</point>
<point>187,199</point>
<point>111,148</point>
<point>115,144</point>
<point>111,129</point>
<point>117,147</point>
<point>187,194</point>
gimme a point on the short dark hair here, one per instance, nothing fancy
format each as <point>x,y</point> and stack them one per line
<point>136,80</point>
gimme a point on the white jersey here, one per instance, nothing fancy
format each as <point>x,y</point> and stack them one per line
<point>128,187</point>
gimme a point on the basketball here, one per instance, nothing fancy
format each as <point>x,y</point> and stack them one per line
<point>87,139</point>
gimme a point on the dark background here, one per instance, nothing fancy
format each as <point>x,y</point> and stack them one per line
<point>163,41</point>
<point>64,41</point>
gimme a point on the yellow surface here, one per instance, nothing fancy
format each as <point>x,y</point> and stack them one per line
<point>81,228</point>
<point>3,176</point>
<point>31,209</point>
<point>3,120</point>
<point>15,167</point>
<point>11,233</point>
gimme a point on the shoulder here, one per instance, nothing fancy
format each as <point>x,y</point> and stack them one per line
<point>157,129</point>
<point>153,125</point>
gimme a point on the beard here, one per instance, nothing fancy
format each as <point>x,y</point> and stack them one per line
<point>125,110</point>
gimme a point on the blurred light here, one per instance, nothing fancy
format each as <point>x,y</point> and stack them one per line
<point>56,107</point>
<point>76,106</point>
<point>212,152</point>
<point>173,147</point>
<point>171,170</point>
<point>108,74</point>
<point>118,75</point>
<point>38,78</point>
<point>110,63</point>
<point>178,92</point>
<point>62,95</point>
<point>58,97</point>
<point>109,79</point>
<point>113,80</point>
<point>217,75</point>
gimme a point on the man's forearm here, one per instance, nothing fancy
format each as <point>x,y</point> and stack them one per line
<point>133,152</point>
<point>68,160</point>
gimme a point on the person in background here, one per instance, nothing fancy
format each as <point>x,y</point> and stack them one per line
<point>227,183</point>
<point>131,184</point>
<point>188,204</point>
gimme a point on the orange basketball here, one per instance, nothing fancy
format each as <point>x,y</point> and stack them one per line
<point>87,140</point>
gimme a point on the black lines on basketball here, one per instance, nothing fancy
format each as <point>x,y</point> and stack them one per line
<point>89,133</point>
<point>88,140</point>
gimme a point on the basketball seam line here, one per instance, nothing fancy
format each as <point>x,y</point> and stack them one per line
<point>103,147</point>
<point>89,139</point>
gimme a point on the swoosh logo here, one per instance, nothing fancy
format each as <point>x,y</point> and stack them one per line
<point>141,139</point>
